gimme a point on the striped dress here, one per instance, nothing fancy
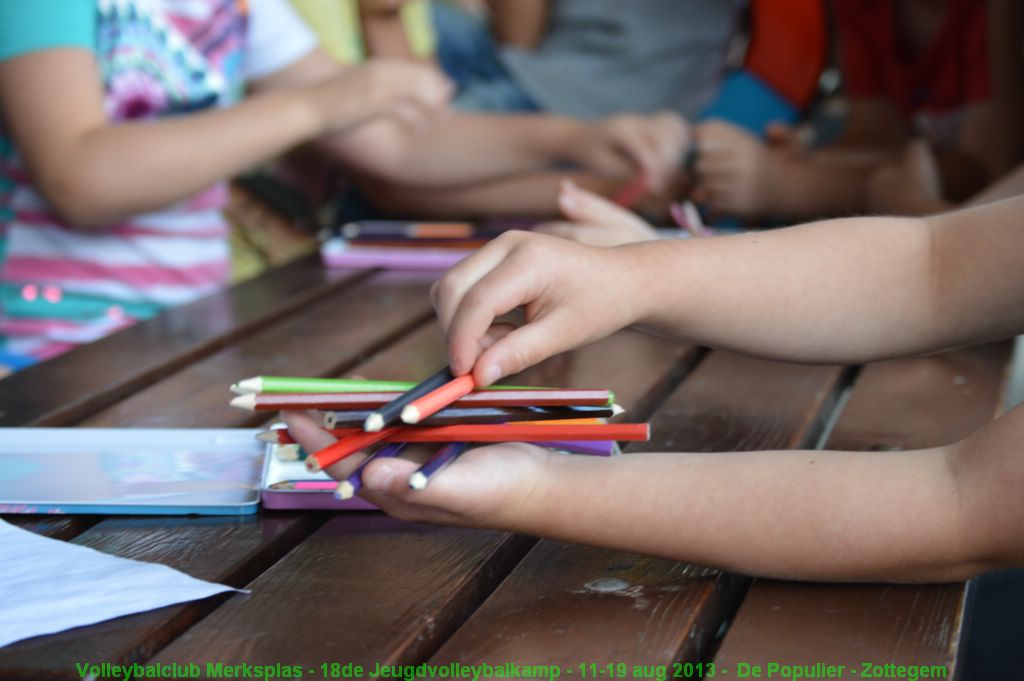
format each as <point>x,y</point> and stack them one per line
<point>59,286</point>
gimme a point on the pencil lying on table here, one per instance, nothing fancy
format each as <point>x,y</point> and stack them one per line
<point>481,398</point>
<point>480,415</point>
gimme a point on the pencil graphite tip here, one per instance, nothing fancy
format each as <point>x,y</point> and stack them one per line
<point>247,402</point>
<point>251,385</point>
<point>268,436</point>
<point>346,490</point>
<point>374,423</point>
<point>330,419</point>
<point>418,481</point>
<point>618,409</point>
<point>410,415</point>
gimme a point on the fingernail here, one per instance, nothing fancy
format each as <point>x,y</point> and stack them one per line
<point>492,374</point>
<point>567,202</point>
<point>381,478</point>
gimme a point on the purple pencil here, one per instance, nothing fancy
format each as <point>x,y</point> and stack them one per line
<point>439,460</point>
<point>350,486</point>
<point>592,447</point>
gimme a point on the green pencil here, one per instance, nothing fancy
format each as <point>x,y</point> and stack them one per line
<point>287,384</point>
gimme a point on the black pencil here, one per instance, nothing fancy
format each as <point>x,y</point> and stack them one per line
<point>392,411</point>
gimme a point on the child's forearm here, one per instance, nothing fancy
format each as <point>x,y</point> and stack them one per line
<point>786,514</point>
<point>122,170</point>
<point>816,185</point>
<point>463,149</point>
<point>841,291</point>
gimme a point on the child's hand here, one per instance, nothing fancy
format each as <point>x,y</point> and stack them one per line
<point>734,171</point>
<point>417,94</point>
<point>572,295</point>
<point>494,486</point>
<point>595,221</point>
<point>908,186</point>
<point>623,146</point>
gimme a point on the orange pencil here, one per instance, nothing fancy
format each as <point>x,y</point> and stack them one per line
<point>435,401</point>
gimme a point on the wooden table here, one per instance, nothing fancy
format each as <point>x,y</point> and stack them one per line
<point>367,589</point>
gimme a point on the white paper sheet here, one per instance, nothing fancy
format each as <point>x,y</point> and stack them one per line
<point>48,585</point>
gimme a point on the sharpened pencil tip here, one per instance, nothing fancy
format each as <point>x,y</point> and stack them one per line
<point>312,465</point>
<point>618,409</point>
<point>288,452</point>
<point>270,436</point>
<point>373,423</point>
<point>251,385</point>
<point>247,402</point>
<point>346,490</point>
<point>236,389</point>
<point>410,415</point>
<point>418,481</point>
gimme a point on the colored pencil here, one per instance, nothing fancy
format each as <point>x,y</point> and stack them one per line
<point>392,411</point>
<point>439,460</point>
<point>438,399</point>
<point>631,193</point>
<point>410,230</point>
<point>480,415</point>
<point>483,398</point>
<point>296,384</point>
<point>619,432</point>
<point>687,216</point>
<point>591,447</point>
<point>342,449</point>
<point>304,486</point>
<point>348,488</point>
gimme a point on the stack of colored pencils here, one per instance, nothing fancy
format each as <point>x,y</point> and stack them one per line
<point>442,409</point>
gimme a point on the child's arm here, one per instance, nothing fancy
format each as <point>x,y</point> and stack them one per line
<point>383,30</point>
<point>939,514</point>
<point>849,290</point>
<point>95,173</point>
<point>466,148</point>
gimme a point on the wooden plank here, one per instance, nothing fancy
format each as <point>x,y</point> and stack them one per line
<point>227,550</point>
<point>903,404</point>
<point>393,596</point>
<point>318,339</point>
<point>72,386</point>
<point>566,604</point>
<point>324,338</point>
<point>55,527</point>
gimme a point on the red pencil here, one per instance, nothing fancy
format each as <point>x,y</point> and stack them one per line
<point>513,432</point>
<point>435,401</point>
<point>631,193</point>
<point>482,398</point>
<point>343,448</point>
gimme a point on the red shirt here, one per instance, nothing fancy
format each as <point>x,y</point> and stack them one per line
<point>938,83</point>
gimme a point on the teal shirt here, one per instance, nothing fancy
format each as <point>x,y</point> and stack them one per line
<point>43,24</point>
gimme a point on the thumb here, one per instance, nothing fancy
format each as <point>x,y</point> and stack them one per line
<point>585,207</point>
<point>522,348</point>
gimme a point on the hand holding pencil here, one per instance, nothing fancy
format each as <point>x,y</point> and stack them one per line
<point>487,486</point>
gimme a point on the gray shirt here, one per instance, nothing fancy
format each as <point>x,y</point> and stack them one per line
<point>603,57</point>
